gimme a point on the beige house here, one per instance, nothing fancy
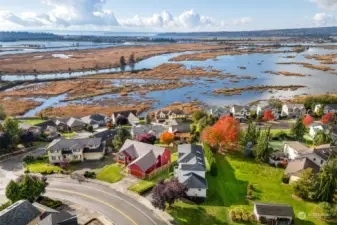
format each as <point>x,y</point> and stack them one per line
<point>66,150</point>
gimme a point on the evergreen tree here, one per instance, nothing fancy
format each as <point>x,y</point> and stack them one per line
<point>327,181</point>
<point>252,134</point>
<point>321,138</point>
<point>121,136</point>
<point>148,119</point>
<point>122,61</point>
<point>12,129</point>
<point>304,186</point>
<point>2,113</point>
<point>12,191</point>
<point>298,129</point>
<point>132,60</point>
<point>261,149</point>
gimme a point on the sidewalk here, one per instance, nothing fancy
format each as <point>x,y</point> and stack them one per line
<point>118,186</point>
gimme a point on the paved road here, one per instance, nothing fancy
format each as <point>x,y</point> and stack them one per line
<point>12,167</point>
<point>118,207</point>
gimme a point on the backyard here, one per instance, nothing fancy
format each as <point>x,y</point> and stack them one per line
<point>228,190</point>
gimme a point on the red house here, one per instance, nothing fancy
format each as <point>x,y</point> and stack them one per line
<point>143,158</point>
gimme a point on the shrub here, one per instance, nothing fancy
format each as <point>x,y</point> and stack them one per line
<point>214,170</point>
<point>5,205</point>
<point>241,215</point>
<point>29,159</point>
<point>285,179</point>
<point>89,174</point>
<point>281,136</point>
<point>90,128</point>
<point>50,202</point>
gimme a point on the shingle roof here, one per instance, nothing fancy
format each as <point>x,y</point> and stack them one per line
<point>45,124</point>
<point>241,107</point>
<point>124,113</point>
<point>191,157</point>
<point>296,167</point>
<point>61,218</point>
<point>291,105</point>
<point>146,154</point>
<point>193,180</point>
<point>156,130</point>
<point>179,126</point>
<point>324,151</point>
<point>73,143</point>
<point>330,106</point>
<point>268,209</point>
<point>106,135</point>
<point>299,147</point>
<point>74,122</point>
<point>19,213</point>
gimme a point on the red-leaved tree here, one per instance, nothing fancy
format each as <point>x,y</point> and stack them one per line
<point>268,115</point>
<point>307,120</point>
<point>223,134</point>
<point>327,118</point>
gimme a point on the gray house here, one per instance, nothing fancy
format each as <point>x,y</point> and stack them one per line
<point>20,213</point>
<point>191,170</point>
<point>330,108</point>
<point>267,213</point>
<point>96,120</point>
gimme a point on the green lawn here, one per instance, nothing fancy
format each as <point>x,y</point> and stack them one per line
<point>110,174</point>
<point>229,189</point>
<point>31,122</point>
<point>145,185</point>
<point>69,135</point>
<point>42,167</point>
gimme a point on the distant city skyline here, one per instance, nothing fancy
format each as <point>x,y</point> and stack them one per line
<point>165,16</point>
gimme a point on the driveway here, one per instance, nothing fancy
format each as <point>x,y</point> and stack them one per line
<point>117,206</point>
<point>12,167</point>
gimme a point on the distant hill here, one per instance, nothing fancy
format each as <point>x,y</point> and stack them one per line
<point>18,36</point>
<point>296,32</point>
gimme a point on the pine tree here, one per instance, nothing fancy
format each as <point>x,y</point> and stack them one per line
<point>298,129</point>
<point>262,149</point>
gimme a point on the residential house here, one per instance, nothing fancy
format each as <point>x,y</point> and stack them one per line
<point>330,108</point>
<point>293,110</point>
<point>27,128</point>
<point>96,120</point>
<point>315,128</point>
<point>323,152</point>
<point>167,115</point>
<point>51,132</point>
<point>142,158</point>
<point>51,216</point>
<point>219,111</point>
<point>45,124</point>
<point>317,108</point>
<point>61,150</point>
<point>70,124</point>
<point>155,129</point>
<point>180,129</point>
<point>295,168</point>
<point>106,136</point>
<point>131,115</point>
<point>238,110</point>
<point>267,213</point>
<point>333,135</point>
<point>20,213</point>
<point>295,149</point>
<point>191,170</point>
<point>264,106</point>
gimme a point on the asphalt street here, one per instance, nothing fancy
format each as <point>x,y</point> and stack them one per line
<point>118,207</point>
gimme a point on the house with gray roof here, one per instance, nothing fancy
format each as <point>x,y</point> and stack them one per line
<point>295,168</point>
<point>70,124</point>
<point>61,150</point>
<point>219,111</point>
<point>96,120</point>
<point>179,126</point>
<point>268,213</point>
<point>191,170</point>
<point>142,158</point>
<point>155,129</point>
<point>240,110</point>
<point>330,108</point>
<point>293,110</point>
<point>131,115</point>
<point>167,115</point>
<point>20,213</point>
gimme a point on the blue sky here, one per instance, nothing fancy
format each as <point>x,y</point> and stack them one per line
<point>160,16</point>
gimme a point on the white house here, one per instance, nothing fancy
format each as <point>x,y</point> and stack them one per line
<point>238,110</point>
<point>261,108</point>
<point>167,115</point>
<point>267,213</point>
<point>315,128</point>
<point>294,149</point>
<point>219,111</point>
<point>61,150</point>
<point>191,170</point>
<point>317,108</point>
<point>293,110</point>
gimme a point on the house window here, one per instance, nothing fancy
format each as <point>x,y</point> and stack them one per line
<point>322,161</point>
<point>75,157</point>
<point>53,158</point>
<point>199,189</point>
<point>314,159</point>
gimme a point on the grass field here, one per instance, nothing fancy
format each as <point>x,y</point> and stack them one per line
<point>42,167</point>
<point>31,122</point>
<point>69,135</point>
<point>110,174</point>
<point>229,189</point>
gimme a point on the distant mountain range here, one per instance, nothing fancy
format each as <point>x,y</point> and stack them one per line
<point>296,32</point>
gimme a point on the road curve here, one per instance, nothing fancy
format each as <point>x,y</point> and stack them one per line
<point>116,206</point>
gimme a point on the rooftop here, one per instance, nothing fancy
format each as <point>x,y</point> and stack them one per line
<point>20,213</point>
<point>268,209</point>
<point>60,144</point>
<point>299,147</point>
<point>296,167</point>
<point>191,157</point>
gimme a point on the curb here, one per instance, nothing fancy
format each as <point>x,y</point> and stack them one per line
<point>145,202</point>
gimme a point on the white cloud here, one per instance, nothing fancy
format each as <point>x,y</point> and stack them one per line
<point>242,21</point>
<point>327,4</point>
<point>323,19</point>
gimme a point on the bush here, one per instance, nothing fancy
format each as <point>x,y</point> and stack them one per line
<point>90,128</point>
<point>285,179</point>
<point>5,205</point>
<point>281,136</point>
<point>241,215</point>
<point>29,159</point>
<point>49,202</point>
<point>89,174</point>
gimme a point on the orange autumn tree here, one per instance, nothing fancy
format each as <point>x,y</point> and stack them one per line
<point>327,117</point>
<point>268,115</point>
<point>307,120</point>
<point>223,134</point>
<point>166,138</point>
